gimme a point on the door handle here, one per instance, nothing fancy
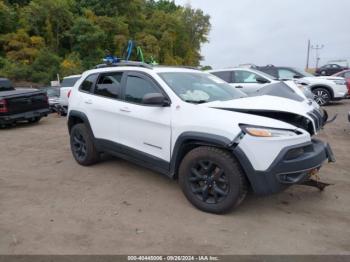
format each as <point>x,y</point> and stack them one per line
<point>88,101</point>
<point>239,86</point>
<point>125,109</point>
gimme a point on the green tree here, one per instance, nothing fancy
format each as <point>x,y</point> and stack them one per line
<point>71,65</point>
<point>39,38</point>
<point>45,67</point>
<point>7,18</point>
<point>87,41</point>
<point>49,19</point>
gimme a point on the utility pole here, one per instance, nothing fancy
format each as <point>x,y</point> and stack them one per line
<point>308,54</point>
<point>317,48</point>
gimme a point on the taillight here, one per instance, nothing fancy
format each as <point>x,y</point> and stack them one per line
<point>3,106</point>
<point>69,92</point>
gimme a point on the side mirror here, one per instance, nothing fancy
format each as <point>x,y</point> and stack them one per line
<point>262,80</point>
<point>156,99</point>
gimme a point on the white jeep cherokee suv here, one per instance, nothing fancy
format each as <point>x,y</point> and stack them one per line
<point>194,127</point>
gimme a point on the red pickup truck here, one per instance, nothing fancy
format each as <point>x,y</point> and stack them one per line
<point>21,104</point>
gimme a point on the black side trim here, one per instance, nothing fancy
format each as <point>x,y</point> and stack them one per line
<point>135,156</point>
<point>188,140</point>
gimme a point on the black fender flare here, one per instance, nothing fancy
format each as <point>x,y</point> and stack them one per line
<point>78,117</point>
<point>194,139</point>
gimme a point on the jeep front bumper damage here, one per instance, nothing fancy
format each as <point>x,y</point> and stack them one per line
<point>294,165</point>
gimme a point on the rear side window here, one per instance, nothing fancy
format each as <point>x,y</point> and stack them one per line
<point>88,83</point>
<point>286,74</point>
<point>109,85</point>
<point>224,75</point>
<point>69,82</point>
<point>242,76</point>
<point>136,88</point>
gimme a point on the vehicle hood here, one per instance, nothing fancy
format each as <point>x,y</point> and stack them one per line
<point>302,114</point>
<point>265,102</point>
<point>320,79</point>
<point>331,77</point>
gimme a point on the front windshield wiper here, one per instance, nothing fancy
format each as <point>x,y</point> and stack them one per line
<point>196,101</point>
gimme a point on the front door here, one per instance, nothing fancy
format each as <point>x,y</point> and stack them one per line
<point>144,128</point>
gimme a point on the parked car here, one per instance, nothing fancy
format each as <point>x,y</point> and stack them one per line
<point>250,81</point>
<point>325,89</point>
<point>21,104</point>
<point>53,94</point>
<point>66,86</point>
<point>329,69</point>
<point>194,127</point>
<point>346,75</point>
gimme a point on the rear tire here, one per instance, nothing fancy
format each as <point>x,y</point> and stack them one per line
<point>321,96</point>
<point>82,145</point>
<point>212,180</point>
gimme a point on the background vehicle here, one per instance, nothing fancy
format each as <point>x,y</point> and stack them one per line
<point>329,69</point>
<point>196,128</point>
<point>250,81</point>
<point>21,104</point>
<point>325,89</point>
<point>346,75</point>
<point>53,94</point>
<point>66,85</point>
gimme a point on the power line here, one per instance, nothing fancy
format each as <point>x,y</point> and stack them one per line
<point>317,48</point>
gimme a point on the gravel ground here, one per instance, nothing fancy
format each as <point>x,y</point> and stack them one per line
<point>51,205</point>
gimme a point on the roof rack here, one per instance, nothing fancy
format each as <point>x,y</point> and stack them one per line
<point>125,63</point>
<point>175,66</point>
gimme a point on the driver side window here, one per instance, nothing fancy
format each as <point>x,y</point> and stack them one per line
<point>136,88</point>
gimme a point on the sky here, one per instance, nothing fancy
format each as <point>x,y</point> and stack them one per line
<point>274,31</point>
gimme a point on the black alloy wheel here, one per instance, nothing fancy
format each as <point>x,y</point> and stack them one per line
<point>208,182</point>
<point>82,145</point>
<point>212,179</point>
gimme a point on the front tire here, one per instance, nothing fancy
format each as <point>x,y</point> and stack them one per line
<point>212,180</point>
<point>82,145</point>
<point>321,96</point>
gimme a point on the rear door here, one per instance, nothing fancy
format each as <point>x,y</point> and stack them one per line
<point>101,98</point>
<point>145,129</point>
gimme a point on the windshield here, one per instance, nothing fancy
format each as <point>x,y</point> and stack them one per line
<point>69,82</point>
<point>200,87</point>
<point>303,73</point>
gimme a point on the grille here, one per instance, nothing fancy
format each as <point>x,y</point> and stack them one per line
<point>317,117</point>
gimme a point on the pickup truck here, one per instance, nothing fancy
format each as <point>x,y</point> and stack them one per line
<point>21,104</point>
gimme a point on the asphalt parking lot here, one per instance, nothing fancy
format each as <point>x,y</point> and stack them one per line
<point>51,205</point>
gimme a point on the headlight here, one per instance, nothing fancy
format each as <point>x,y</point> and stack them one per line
<point>261,131</point>
<point>339,82</point>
